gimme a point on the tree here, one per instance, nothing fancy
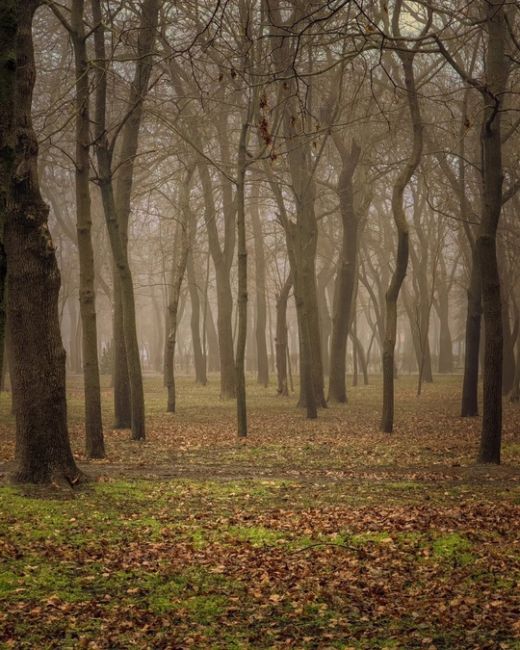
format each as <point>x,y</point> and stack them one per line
<point>406,57</point>
<point>95,447</point>
<point>36,354</point>
<point>496,68</point>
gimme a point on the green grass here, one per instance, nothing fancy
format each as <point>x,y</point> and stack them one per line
<point>309,534</point>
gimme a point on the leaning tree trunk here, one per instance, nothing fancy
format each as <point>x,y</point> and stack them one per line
<point>401,264</point>
<point>95,447</point>
<point>37,357</point>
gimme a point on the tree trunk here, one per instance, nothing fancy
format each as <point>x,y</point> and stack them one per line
<point>387,418</point>
<point>508,354</point>
<point>469,406</point>
<point>117,206</point>
<point>212,340</point>
<point>179,262</point>
<point>261,305</point>
<point>120,378</point>
<point>37,357</point>
<point>322,280</point>
<point>345,287</point>
<point>242,286</point>
<point>281,337</point>
<point>222,261</point>
<point>94,443</point>
<point>445,340</point>
<point>515,391</point>
<point>497,67</point>
<point>198,356</point>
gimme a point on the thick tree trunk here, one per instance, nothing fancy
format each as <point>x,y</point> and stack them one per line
<point>37,357</point>
<point>508,355</point>
<point>496,67</point>
<point>8,30</point>
<point>94,443</point>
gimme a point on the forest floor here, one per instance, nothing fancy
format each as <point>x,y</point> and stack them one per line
<point>308,534</point>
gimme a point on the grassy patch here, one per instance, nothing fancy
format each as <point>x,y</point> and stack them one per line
<point>453,548</point>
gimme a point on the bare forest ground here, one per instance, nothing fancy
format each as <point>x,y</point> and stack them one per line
<point>308,534</point>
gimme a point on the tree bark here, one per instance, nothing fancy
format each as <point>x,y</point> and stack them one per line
<point>242,285</point>
<point>198,357</point>
<point>180,259</point>
<point>117,205</point>
<point>469,405</point>
<point>94,443</point>
<point>261,304</point>
<point>37,357</point>
<point>497,68</point>
<point>345,286</point>
<point>387,418</point>
<point>281,337</point>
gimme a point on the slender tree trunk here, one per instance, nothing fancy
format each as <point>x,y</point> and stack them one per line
<point>212,340</point>
<point>281,337</point>
<point>445,340</point>
<point>322,280</point>
<point>222,262</point>
<point>198,357</point>
<point>345,287</point>
<point>401,264</point>
<point>95,447</point>
<point>117,208</point>
<point>37,357</point>
<point>261,305</point>
<point>242,286</point>
<point>181,250</point>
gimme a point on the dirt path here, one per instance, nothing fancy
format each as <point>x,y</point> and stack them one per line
<point>449,474</point>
